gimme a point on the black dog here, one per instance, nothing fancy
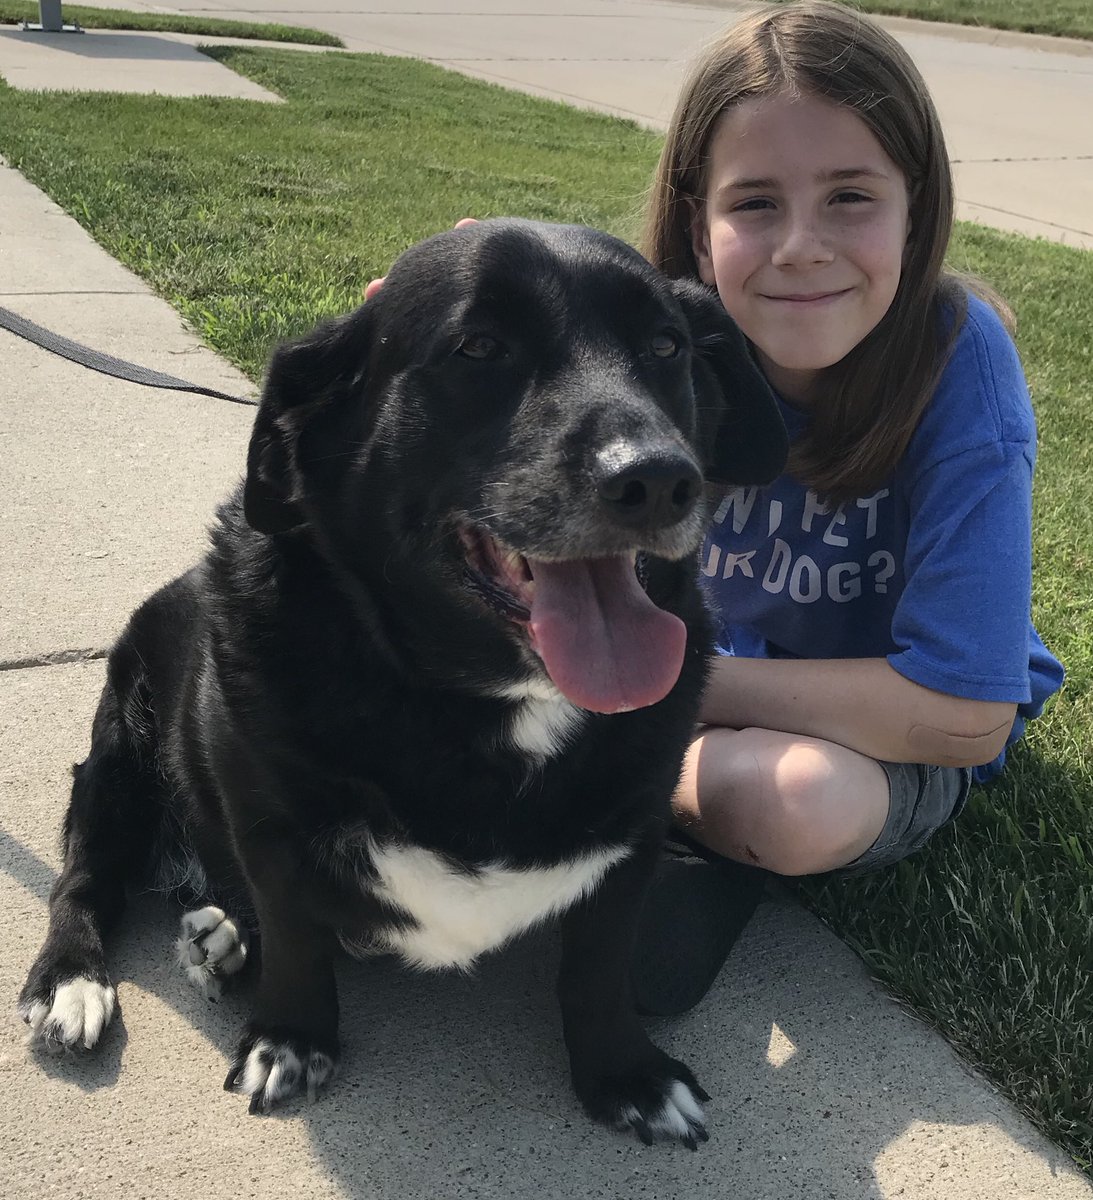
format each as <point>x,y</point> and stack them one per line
<point>434,679</point>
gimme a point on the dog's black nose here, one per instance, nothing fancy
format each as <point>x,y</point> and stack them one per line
<point>651,489</point>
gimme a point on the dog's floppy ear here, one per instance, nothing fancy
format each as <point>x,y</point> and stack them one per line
<point>303,376</point>
<point>743,435</point>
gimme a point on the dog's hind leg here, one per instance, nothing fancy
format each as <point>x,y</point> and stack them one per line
<point>68,998</point>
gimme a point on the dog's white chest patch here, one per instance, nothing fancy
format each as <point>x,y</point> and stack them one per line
<point>461,915</point>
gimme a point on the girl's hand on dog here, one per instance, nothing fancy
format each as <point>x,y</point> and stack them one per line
<point>375,284</point>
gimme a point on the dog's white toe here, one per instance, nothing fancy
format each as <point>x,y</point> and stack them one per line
<point>75,1016</point>
<point>272,1072</point>
<point>680,1116</point>
<point>210,947</point>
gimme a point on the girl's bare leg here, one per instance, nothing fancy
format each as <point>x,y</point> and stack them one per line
<point>794,805</point>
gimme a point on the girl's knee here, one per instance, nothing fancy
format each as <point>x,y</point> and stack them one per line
<point>789,833</point>
<point>791,805</point>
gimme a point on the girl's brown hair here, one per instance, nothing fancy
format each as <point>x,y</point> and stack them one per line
<point>871,400</point>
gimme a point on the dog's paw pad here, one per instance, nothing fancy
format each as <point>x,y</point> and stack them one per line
<point>272,1071</point>
<point>211,947</point>
<point>73,1017</point>
<point>678,1116</point>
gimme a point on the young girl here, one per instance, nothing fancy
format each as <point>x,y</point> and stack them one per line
<point>876,650</point>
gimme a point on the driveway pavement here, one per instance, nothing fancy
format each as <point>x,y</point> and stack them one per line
<point>451,1086</point>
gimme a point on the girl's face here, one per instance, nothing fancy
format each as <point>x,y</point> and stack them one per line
<point>802,231</point>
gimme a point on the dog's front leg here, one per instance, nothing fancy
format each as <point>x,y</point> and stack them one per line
<point>291,1043</point>
<point>621,1078</point>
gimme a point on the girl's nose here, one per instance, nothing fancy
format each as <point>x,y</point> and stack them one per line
<point>801,242</point>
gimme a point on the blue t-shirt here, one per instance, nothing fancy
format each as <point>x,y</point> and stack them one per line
<point>932,570</point>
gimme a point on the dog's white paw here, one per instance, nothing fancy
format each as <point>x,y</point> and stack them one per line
<point>679,1115</point>
<point>655,1096</point>
<point>271,1071</point>
<point>73,1017</point>
<point>210,947</point>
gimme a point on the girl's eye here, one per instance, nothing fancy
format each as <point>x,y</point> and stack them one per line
<point>852,198</point>
<point>756,204</point>
<point>664,345</point>
<point>480,346</point>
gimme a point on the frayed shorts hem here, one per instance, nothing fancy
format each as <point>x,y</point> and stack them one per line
<point>923,799</point>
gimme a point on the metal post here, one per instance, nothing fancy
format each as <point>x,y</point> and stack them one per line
<point>51,21</point>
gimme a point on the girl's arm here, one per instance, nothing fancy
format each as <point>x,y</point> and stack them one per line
<point>861,703</point>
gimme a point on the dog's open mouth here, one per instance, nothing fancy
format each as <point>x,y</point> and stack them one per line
<point>605,645</point>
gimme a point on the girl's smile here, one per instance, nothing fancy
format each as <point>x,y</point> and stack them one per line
<point>802,230</point>
<point>814,298</point>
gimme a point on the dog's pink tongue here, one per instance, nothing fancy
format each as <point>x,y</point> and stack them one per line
<point>604,643</point>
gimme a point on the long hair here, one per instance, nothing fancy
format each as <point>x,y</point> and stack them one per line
<point>869,402</point>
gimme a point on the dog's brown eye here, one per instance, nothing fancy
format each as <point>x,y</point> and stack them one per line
<point>665,346</point>
<point>479,345</point>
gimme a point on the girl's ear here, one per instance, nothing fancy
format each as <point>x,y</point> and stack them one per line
<point>700,242</point>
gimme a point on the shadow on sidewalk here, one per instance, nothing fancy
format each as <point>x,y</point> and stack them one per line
<point>456,1085</point>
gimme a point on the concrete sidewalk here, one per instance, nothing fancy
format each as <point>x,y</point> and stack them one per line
<point>822,1086</point>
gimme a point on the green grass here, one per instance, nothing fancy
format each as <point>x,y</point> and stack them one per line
<point>1056,18</point>
<point>14,12</point>
<point>257,220</point>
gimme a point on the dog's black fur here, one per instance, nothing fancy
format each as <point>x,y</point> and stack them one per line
<point>346,700</point>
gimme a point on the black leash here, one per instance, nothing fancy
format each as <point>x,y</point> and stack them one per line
<point>107,364</point>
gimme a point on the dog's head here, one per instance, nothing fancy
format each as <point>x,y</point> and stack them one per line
<point>520,420</point>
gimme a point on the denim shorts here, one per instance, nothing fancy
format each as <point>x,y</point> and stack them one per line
<point>923,799</point>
